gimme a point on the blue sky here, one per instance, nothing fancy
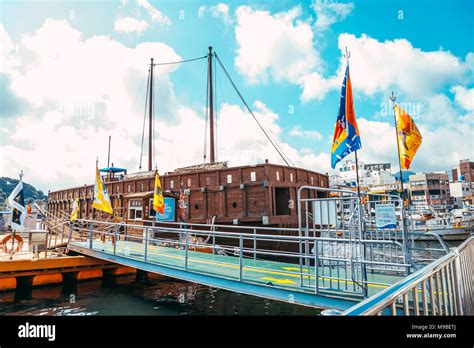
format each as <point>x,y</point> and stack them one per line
<point>73,73</point>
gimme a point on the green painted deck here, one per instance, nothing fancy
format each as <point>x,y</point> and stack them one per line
<point>280,275</point>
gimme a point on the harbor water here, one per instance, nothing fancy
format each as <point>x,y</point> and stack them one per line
<point>156,295</point>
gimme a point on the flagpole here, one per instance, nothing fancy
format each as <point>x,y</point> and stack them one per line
<point>347,56</point>
<point>393,98</point>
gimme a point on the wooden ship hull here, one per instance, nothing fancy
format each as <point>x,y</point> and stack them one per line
<point>263,195</point>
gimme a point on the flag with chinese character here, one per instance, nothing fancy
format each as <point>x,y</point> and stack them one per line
<point>101,197</point>
<point>346,134</point>
<point>75,209</point>
<point>408,136</point>
<point>158,200</point>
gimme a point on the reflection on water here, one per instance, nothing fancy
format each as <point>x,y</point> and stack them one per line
<point>126,296</point>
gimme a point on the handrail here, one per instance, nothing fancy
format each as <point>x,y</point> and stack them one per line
<point>454,281</point>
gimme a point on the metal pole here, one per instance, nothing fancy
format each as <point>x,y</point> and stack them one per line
<point>254,243</point>
<point>241,245</point>
<point>186,251</point>
<point>150,120</point>
<point>393,98</point>
<point>108,157</point>
<point>211,108</point>
<point>115,238</point>
<point>146,242</point>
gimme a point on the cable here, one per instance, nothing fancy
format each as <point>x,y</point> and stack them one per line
<point>181,61</point>
<point>144,119</point>
<point>248,108</point>
<point>215,108</point>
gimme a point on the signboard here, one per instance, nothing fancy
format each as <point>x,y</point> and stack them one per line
<point>168,214</point>
<point>385,216</point>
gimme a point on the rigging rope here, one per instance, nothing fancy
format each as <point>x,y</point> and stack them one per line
<point>181,61</point>
<point>144,119</point>
<point>280,152</point>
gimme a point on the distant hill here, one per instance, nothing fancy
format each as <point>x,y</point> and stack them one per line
<point>8,184</point>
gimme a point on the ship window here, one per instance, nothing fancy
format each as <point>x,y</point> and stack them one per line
<point>282,197</point>
<point>253,176</point>
<point>234,205</point>
<point>135,213</point>
<point>208,180</point>
<point>171,183</point>
<point>117,190</point>
<point>141,187</point>
<point>128,188</point>
<point>189,182</point>
<point>278,176</point>
<point>229,179</point>
<point>291,177</point>
<point>312,181</point>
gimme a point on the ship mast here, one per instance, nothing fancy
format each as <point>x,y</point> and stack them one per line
<point>150,129</point>
<point>211,108</point>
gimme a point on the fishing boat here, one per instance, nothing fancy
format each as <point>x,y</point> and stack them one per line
<point>209,193</point>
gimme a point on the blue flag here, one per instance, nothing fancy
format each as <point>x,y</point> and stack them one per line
<point>346,134</point>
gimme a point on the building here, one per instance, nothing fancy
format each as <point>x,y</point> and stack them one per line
<point>369,175</point>
<point>464,171</point>
<point>430,190</point>
<point>461,193</point>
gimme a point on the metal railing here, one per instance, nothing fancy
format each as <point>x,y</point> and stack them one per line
<point>328,266</point>
<point>444,287</point>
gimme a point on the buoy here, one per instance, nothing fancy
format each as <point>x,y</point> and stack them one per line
<point>19,245</point>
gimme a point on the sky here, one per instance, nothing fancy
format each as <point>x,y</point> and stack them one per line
<point>74,73</point>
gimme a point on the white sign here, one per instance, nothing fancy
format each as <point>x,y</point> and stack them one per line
<point>385,215</point>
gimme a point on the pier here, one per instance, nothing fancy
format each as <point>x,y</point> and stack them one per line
<point>337,258</point>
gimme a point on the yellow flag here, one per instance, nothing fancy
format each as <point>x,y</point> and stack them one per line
<point>408,136</point>
<point>158,200</point>
<point>75,209</point>
<point>101,197</point>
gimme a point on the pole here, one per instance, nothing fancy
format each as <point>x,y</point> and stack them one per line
<point>211,107</point>
<point>150,120</point>
<point>108,158</point>
<point>393,98</point>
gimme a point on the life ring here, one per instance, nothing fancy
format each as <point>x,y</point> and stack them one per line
<point>19,245</point>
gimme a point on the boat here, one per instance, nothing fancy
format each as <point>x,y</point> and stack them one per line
<point>259,195</point>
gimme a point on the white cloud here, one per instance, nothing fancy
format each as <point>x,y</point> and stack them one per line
<point>278,46</point>
<point>379,67</point>
<point>464,97</point>
<point>82,93</point>
<point>329,12</point>
<point>155,14</point>
<point>130,25</point>
<point>297,131</point>
<point>221,10</point>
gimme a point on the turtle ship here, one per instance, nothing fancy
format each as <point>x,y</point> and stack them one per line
<point>208,194</point>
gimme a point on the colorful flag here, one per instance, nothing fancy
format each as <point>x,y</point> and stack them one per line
<point>346,134</point>
<point>75,209</point>
<point>101,197</point>
<point>158,200</point>
<point>408,136</point>
<point>16,201</point>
